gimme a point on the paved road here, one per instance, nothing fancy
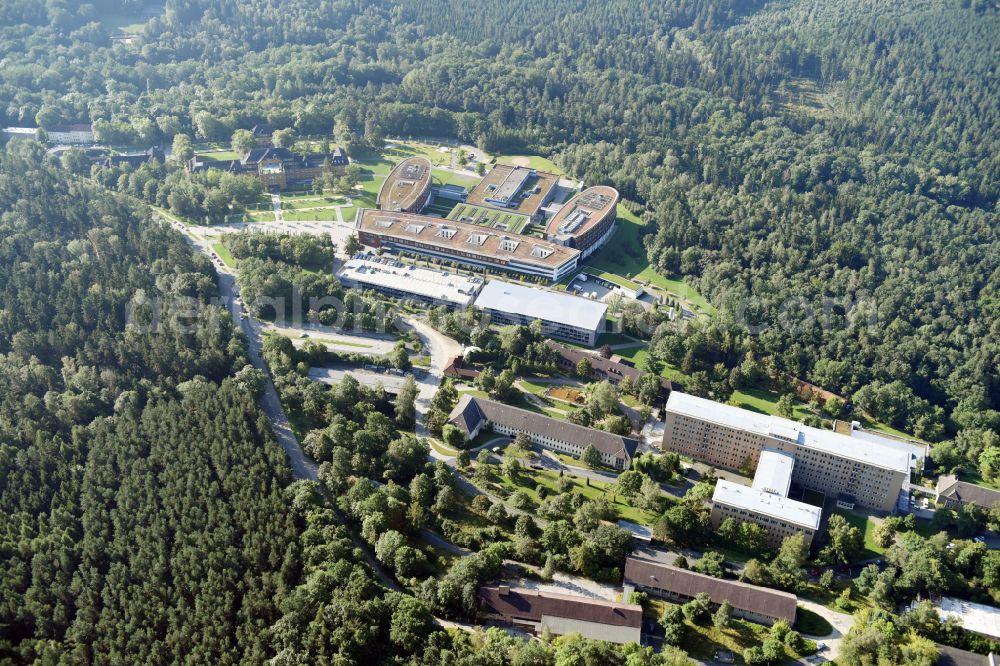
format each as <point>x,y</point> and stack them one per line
<point>441,349</point>
<point>302,466</point>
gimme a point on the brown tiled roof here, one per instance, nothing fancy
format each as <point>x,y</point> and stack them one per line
<point>455,368</point>
<point>770,603</point>
<point>598,362</point>
<point>471,411</point>
<point>533,604</point>
<point>461,239</point>
<point>950,488</point>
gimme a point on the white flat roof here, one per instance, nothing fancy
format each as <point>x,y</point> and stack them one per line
<point>874,453</point>
<point>774,472</point>
<point>979,618</point>
<point>389,273</point>
<point>767,504</point>
<point>536,303</point>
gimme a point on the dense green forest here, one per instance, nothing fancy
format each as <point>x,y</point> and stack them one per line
<point>145,511</point>
<point>826,173</point>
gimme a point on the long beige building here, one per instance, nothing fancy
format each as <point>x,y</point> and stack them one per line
<point>873,473</point>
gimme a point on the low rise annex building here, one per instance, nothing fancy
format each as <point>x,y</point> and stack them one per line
<point>536,610</point>
<point>731,438</point>
<point>474,415</point>
<point>563,316</point>
<point>766,502</point>
<point>757,604</point>
<point>388,276</point>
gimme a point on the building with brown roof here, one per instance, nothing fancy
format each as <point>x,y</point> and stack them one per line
<point>567,359</point>
<point>586,220</point>
<point>757,604</point>
<point>276,168</point>
<point>474,415</point>
<point>520,189</point>
<point>463,243</point>
<point>954,493</point>
<point>407,188</point>
<point>455,368</point>
<point>533,610</point>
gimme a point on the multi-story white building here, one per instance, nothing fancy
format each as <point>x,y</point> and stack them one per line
<point>475,415</point>
<point>766,502</point>
<point>388,276</point>
<point>74,134</point>
<point>873,473</point>
<point>563,316</point>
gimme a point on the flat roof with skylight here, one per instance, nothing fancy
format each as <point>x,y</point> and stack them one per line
<point>582,212</point>
<point>387,274</point>
<point>873,453</point>
<point>535,303</point>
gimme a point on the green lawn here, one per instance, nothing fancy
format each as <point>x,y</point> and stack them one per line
<point>224,254</point>
<point>402,149</point>
<point>318,214</point>
<point>867,527</point>
<point>534,161</point>
<point>701,641</point>
<point>311,202</point>
<point>530,479</point>
<point>638,355</point>
<point>615,339</point>
<point>219,156</point>
<point>442,448</point>
<point>625,255</point>
<point>448,177</point>
<point>808,622</point>
<point>765,402</point>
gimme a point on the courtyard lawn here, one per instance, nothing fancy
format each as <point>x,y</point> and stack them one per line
<point>702,641</point>
<point>531,479</point>
<point>449,177</point>
<point>867,527</point>
<point>765,402</point>
<point>219,155</point>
